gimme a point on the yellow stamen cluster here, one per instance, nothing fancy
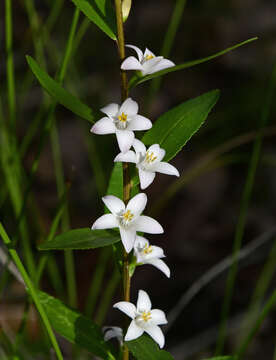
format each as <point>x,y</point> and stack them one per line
<point>122,117</point>
<point>148,57</point>
<point>128,216</point>
<point>146,316</point>
<point>150,157</point>
<point>147,249</point>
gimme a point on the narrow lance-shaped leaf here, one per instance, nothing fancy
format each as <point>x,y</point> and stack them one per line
<point>173,129</point>
<point>100,13</point>
<point>61,95</point>
<point>80,239</point>
<point>144,348</point>
<point>75,327</point>
<point>135,80</point>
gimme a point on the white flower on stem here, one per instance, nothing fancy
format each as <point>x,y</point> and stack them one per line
<point>127,218</point>
<point>148,162</point>
<point>147,62</point>
<point>143,319</point>
<point>122,121</point>
<point>150,254</point>
<point>111,332</point>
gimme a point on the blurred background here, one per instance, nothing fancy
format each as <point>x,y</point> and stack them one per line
<point>201,215</point>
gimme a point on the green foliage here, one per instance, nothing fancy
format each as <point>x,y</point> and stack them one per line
<point>101,13</point>
<point>144,348</point>
<point>80,239</point>
<point>173,129</point>
<point>115,186</point>
<point>136,79</point>
<point>61,95</point>
<point>75,327</point>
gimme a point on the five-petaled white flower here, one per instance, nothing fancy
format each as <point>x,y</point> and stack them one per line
<point>149,254</point>
<point>122,121</point>
<point>127,218</point>
<point>143,319</point>
<point>148,162</point>
<point>147,63</point>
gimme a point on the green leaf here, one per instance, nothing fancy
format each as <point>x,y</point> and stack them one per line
<point>115,186</point>
<point>173,129</point>
<point>62,96</point>
<point>101,13</point>
<point>75,327</point>
<point>135,80</point>
<point>223,358</point>
<point>144,348</point>
<point>80,239</point>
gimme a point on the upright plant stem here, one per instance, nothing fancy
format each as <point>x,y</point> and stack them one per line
<point>126,175</point>
<point>243,213</point>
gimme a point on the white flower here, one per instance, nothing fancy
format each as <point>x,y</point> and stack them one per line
<point>122,121</point>
<point>127,218</point>
<point>148,162</point>
<point>143,319</point>
<point>111,332</point>
<point>147,63</point>
<point>149,254</point>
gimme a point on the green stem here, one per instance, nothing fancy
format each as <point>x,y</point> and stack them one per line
<point>126,174</point>
<point>31,290</point>
<point>243,214</point>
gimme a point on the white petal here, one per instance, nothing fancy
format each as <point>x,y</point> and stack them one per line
<point>114,204</point>
<point>126,307</point>
<point>161,65</point>
<point>139,123</point>
<point>158,317</point>
<point>149,65</point>
<point>146,178</point>
<point>125,139</point>
<point>128,237</point>
<point>133,331</point>
<point>165,168</point>
<point>140,242</point>
<point>138,51</point>
<point>158,152</point>
<point>157,335</point>
<point>137,204</point>
<point>148,225</point>
<point>160,265</point>
<point>143,302</point>
<point>103,126</point>
<point>107,221</point>
<point>131,63</point>
<point>129,156</point>
<point>111,332</point>
<point>129,107</point>
<point>110,109</point>
<point>148,52</point>
<point>139,147</point>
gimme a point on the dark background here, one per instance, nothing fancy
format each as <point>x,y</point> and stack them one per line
<point>200,220</point>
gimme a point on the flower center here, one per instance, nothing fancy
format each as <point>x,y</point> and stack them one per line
<point>148,57</point>
<point>147,249</point>
<point>121,121</point>
<point>146,315</point>
<point>126,217</point>
<point>150,158</point>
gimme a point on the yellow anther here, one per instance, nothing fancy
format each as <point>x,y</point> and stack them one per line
<point>150,157</point>
<point>128,216</point>
<point>148,57</point>
<point>147,249</point>
<point>122,117</point>
<point>146,316</point>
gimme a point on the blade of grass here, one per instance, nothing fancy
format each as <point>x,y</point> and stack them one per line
<point>246,196</point>
<point>97,281</point>
<point>265,311</point>
<point>168,43</point>
<point>31,290</point>
<point>107,296</point>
